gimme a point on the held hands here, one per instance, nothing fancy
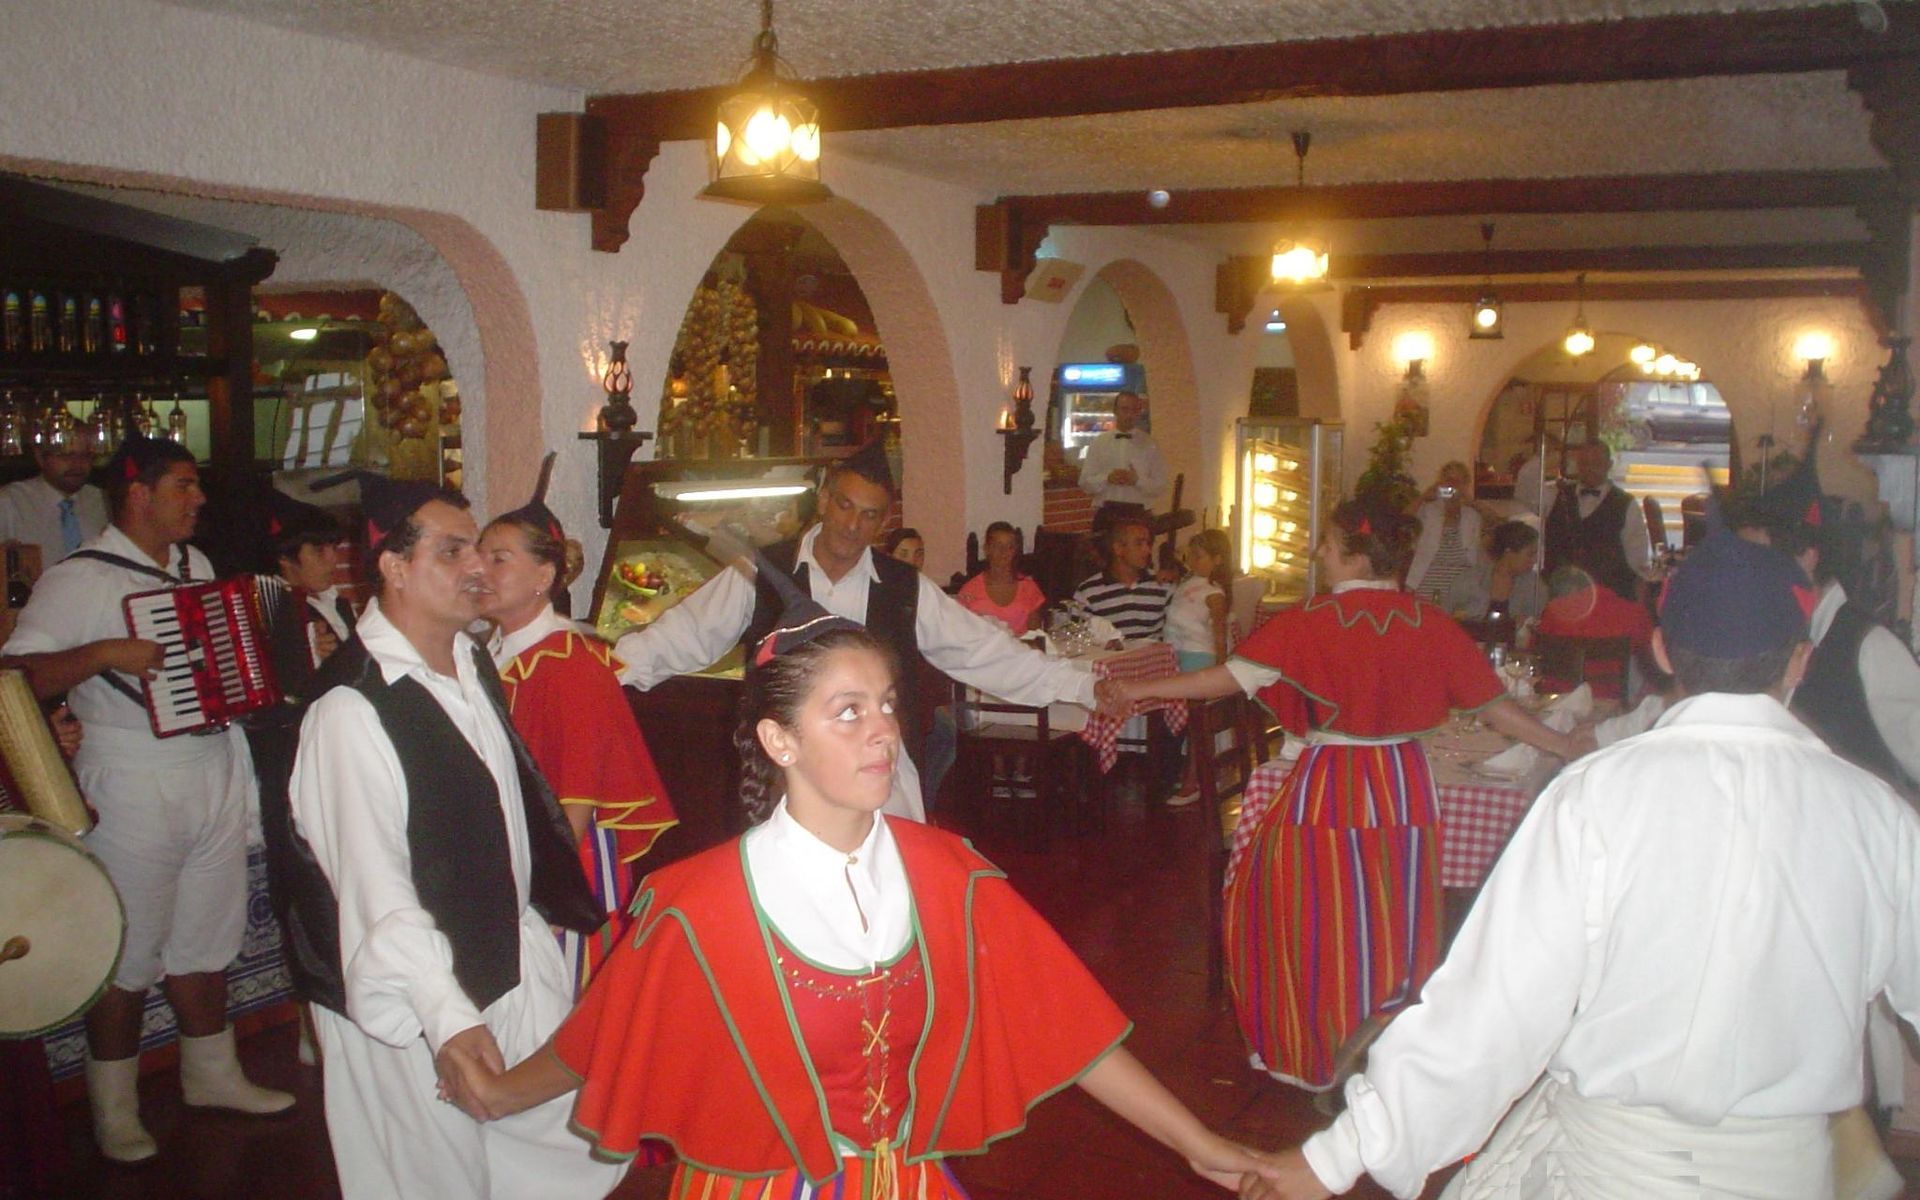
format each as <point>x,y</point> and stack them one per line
<point>1283,1176</point>
<point>470,1066</point>
<point>325,642</point>
<point>1123,477</point>
<point>130,656</point>
<point>1114,698</point>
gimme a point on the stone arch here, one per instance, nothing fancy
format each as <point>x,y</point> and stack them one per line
<point>1167,353</point>
<point>488,340</point>
<point>1315,374</point>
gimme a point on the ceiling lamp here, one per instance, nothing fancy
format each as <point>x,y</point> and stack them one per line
<point>1643,356</point>
<point>766,147</point>
<point>1486,325</point>
<point>1300,260</point>
<point>1579,341</point>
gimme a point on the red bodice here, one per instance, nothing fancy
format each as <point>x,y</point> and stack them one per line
<point>860,1032</point>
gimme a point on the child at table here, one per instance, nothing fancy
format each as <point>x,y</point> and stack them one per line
<point>1197,610</point>
<point>1333,908</point>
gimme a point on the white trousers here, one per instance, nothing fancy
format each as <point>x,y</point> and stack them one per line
<point>1556,1145</point>
<point>173,837</point>
<point>393,1139</point>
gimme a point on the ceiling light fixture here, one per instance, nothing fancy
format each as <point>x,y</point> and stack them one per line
<point>766,147</point>
<point>304,334</point>
<point>1579,342</point>
<point>1486,324</point>
<point>1300,260</point>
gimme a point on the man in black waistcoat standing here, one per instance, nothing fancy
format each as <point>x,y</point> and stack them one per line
<point>428,859</point>
<point>1594,525</point>
<point>835,563</point>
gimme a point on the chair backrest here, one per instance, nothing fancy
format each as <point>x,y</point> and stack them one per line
<point>1656,522</point>
<point>1567,658</point>
<point>1489,632</point>
<point>1057,562</point>
<point>1221,771</point>
<point>1244,605</point>
<point>972,707</point>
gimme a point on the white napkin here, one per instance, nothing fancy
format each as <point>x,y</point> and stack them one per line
<point>1103,630</point>
<point>1520,760</point>
<point>1628,724</point>
<point>1577,704</point>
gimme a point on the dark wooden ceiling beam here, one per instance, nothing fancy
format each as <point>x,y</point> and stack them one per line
<point>1816,38</point>
<point>1475,263</point>
<point>1712,191</point>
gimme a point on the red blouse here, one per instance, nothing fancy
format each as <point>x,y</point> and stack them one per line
<point>1369,663</point>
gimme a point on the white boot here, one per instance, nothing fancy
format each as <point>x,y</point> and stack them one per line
<point>210,1077</point>
<point>113,1092</point>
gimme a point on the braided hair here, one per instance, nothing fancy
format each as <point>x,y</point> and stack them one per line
<point>778,690</point>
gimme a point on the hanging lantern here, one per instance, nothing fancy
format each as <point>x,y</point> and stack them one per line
<point>1487,310</point>
<point>1579,341</point>
<point>766,146</point>
<point>1299,260</point>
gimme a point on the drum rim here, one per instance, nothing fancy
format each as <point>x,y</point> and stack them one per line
<point>40,827</point>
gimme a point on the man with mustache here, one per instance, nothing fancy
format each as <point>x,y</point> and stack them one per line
<point>429,861</point>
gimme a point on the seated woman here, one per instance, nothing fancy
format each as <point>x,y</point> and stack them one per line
<point>1001,592</point>
<point>1503,586</point>
<point>563,692</point>
<point>835,1002</point>
<point>906,544</point>
<point>1449,541</point>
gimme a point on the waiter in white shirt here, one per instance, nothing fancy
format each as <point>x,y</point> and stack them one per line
<point>835,562</point>
<point>1662,990</point>
<point>1123,466</point>
<point>429,858</point>
<point>56,510</point>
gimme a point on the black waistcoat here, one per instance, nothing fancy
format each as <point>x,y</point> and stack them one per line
<point>456,841</point>
<point>1832,699</point>
<point>1592,542</point>
<point>893,600</point>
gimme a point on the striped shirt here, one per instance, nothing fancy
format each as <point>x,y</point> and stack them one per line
<point>1137,610</point>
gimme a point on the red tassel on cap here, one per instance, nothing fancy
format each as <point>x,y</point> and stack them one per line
<point>128,469</point>
<point>1365,527</point>
<point>1813,514</point>
<point>764,655</point>
<point>1807,598</point>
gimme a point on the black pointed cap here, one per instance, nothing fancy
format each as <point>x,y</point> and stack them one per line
<point>386,503</point>
<point>138,453</point>
<point>869,462</point>
<point>1795,498</point>
<point>802,618</point>
<point>1731,598</point>
<point>535,511</point>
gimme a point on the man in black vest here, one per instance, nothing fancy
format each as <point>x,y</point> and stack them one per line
<point>835,562</point>
<point>426,861</point>
<point>1594,525</point>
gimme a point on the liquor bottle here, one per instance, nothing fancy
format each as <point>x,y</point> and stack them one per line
<point>93,332</point>
<point>39,322</point>
<point>145,340</point>
<point>13,320</point>
<point>117,323</point>
<point>67,324</point>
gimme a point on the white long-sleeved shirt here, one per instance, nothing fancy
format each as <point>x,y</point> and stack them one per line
<point>1889,675</point>
<point>30,512</point>
<point>1112,451</point>
<point>696,632</point>
<point>349,799</point>
<point>1634,541</point>
<point>1694,919</point>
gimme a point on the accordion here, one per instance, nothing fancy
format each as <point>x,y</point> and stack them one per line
<point>216,666</point>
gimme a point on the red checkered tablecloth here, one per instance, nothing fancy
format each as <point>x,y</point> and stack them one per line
<point>1142,662</point>
<point>1475,821</point>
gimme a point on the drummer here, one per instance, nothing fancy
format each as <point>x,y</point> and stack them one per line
<point>173,812</point>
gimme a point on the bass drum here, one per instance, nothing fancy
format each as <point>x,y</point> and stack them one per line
<point>61,927</point>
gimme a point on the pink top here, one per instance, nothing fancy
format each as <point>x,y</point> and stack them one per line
<point>1028,599</point>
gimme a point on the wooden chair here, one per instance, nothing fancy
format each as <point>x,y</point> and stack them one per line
<point>1577,660</point>
<point>1058,562</point>
<point>1498,632</point>
<point>1226,742</point>
<point>1037,770</point>
<point>1656,520</point>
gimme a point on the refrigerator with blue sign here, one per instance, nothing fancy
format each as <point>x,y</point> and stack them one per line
<point>1083,395</point>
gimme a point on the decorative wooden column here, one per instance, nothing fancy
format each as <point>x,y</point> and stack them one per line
<point>770,282</point>
<point>230,353</point>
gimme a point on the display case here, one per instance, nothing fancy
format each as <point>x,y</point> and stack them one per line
<point>1287,482</point>
<point>1083,400</point>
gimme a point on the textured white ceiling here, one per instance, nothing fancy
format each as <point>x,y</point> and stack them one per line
<point>616,45</point>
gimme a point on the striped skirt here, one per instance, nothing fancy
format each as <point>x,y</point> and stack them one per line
<point>612,884</point>
<point>925,1180</point>
<point>1333,904</point>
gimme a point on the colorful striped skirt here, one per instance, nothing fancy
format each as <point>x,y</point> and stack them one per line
<point>925,1180</point>
<point>1333,905</point>
<point>612,884</point>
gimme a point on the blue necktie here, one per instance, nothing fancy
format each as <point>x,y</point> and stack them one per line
<point>69,526</point>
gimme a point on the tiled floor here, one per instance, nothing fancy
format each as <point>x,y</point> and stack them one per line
<point>1128,899</point>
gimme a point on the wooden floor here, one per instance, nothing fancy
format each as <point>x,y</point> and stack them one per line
<point>1130,900</point>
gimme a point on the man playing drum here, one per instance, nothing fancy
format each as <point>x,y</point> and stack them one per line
<point>173,812</point>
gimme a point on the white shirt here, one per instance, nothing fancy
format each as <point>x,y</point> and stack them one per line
<point>77,602</point>
<point>1634,541</point>
<point>1112,451</point>
<point>1694,919</point>
<point>1888,674</point>
<point>326,605</point>
<point>349,799</point>
<point>847,912</point>
<point>525,638</point>
<point>30,512</point>
<point>699,630</point>
<point>1189,624</point>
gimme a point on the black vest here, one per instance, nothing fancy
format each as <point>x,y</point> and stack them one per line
<point>893,601</point>
<point>456,841</point>
<point>1833,700</point>
<point>1592,542</point>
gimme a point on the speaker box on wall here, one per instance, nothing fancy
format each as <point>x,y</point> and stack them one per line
<point>569,163</point>
<point>1052,279</point>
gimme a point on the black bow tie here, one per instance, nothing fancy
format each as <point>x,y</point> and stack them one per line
<point>1125,437</point>
<point>1593,491</point>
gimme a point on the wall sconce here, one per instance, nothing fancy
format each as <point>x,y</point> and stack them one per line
<point>614,430</point>
<point>1016,429</point>
<point>1414,348</point>
<point>1814,348</point>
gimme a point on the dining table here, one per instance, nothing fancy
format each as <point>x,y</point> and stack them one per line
<point>1104,733</point>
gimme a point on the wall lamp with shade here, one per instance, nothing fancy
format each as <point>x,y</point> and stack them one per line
<point>1016,429</point>
<point>1579,340</point>
<point>1486,324</point>
<point>1814,347</point>
<point>766,147</point>
<point>1413,349</point>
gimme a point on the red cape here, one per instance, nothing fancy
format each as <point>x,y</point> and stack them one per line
<point>686,1036</point>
